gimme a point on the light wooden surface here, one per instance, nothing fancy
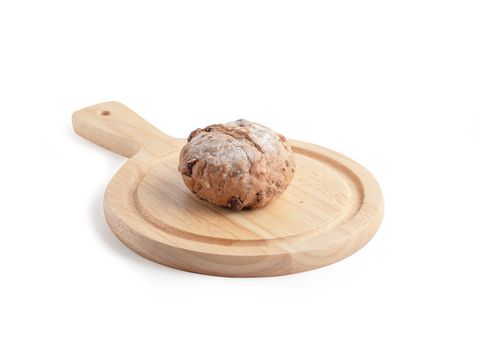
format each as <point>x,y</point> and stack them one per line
<point>331,209</point>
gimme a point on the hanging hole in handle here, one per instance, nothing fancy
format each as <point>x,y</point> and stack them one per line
<point>105,113</point>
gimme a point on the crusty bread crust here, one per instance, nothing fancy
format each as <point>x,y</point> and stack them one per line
<point>237,165</point>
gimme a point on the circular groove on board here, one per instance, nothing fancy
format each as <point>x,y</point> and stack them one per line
<point>334,195</point>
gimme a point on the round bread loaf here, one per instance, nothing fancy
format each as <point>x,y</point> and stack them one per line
<point>237,165</point>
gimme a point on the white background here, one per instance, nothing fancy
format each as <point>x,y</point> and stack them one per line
<point>394,85</point>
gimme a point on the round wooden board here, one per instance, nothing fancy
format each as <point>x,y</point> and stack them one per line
<point>330,210</point>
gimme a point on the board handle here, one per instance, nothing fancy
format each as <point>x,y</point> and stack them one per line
<point>114,126</point>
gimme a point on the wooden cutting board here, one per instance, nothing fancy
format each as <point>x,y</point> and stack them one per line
<point>331,209</point>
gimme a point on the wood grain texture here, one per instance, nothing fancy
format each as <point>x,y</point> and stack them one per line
<point>330,210</point>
